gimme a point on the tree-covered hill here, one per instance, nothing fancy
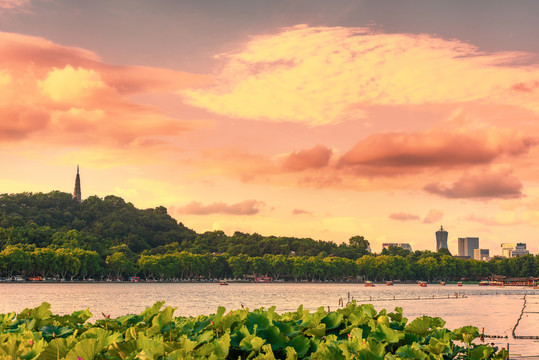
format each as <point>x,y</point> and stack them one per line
<point>98,224</point>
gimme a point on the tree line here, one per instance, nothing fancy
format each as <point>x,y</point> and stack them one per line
<point>51,235</point>
<point>80,264</point>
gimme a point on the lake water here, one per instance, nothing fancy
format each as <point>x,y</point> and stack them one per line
<point>494,309</point>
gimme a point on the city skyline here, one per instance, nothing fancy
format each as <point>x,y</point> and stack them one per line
<point>304,119</point>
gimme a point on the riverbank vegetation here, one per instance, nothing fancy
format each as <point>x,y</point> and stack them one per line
<point>353,332</point>
<point>53,236</point>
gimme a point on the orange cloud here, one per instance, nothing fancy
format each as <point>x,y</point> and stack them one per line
<point>392,153</point>
<point>325,75</point>
<point>401,216</point>
<point>317,157</point>
<point>247,207</point>
<point>67,96</point>
<point>486,184</point>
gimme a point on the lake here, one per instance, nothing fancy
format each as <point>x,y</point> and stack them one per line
<point>492,308</point>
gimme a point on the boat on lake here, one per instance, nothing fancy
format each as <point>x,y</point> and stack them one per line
<point>223,283</point>
<point>369,284</point>
<point>442,283</point>
<point>389,283</point>
<point>423,284</point>
<point>459,283</point>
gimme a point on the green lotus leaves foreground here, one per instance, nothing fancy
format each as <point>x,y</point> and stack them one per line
<point>353,332</point>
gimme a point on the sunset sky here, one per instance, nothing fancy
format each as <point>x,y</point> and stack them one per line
<point>307,118</point>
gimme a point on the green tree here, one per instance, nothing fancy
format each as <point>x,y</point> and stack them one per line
<point>119,264</point>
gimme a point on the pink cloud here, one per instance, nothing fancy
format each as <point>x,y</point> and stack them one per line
<point>14,5</point>
<point>247,207</point>
<point>391,153</point>
<point>433,216</point>
<point>526,87</point>
<point>486,184</point>
<point>317,157</point>
<point>401,216</point>
<point>72,98</point>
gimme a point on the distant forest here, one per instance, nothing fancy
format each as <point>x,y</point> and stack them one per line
<point>52,235</point>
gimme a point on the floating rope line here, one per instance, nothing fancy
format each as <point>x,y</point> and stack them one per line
<point>520,317</point>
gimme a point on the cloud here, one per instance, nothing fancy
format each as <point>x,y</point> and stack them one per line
<point>317,157</point>
<point>484,184</point>
<point>72,98</point>
<point>401,216</point>
<point>433,216</point>
<point>247,207</point>
<point>390,153</point>
<point>326,75</point>
<point>14,5</point>
<point>69,84</point>
<point>301,212</point>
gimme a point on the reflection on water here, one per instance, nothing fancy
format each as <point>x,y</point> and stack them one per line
<point>494,309</point>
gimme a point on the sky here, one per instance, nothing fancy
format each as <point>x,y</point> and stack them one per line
<point>306,118</point>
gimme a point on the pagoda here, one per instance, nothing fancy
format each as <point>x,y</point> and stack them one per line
<point>77,194</point>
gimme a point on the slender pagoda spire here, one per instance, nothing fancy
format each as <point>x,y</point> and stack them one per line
<point>77,194</point>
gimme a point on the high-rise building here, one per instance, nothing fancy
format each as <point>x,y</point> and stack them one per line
<point>405,246</point>
<point>481,254</point>
<point>77,193</point>
<point>467,246</point>
<point>461,250</point>
<point>441,239</point>
<point>514,249</point>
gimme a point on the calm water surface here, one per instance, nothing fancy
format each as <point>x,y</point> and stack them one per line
<point>494,309</point>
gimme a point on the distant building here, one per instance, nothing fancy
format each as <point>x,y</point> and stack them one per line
<point>467,246</point>
<point>77,195</point>
<point>514,250</point>
<point>405,246</point>
<point>481,254</point>
<point>441,239</point>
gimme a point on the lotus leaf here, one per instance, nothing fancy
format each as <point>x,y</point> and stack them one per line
<point>317,331</point>
<point>151,347</point>
<point>437,346</point>
<point>291,353</point>
<point>251,343</point>
<point>301,345</point>
<point>51,332</point>
<point>218,315</point>
<point>257,320</point>
<point>121,350</point>
<point>397,315</point>
<point>385,333</point>
<point>411,352</point>
<point>424,325</point>
<point>289,329</point>
<point>481,352</point>
<point>333,320</point>
<point>466,334</point>
<point>57,349</point>
<point>328,352</point>
<point>273,336</point>
<point>369,310</point>
<point>354,332</point>
<point>161,320</point>
<point>151,311</point>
